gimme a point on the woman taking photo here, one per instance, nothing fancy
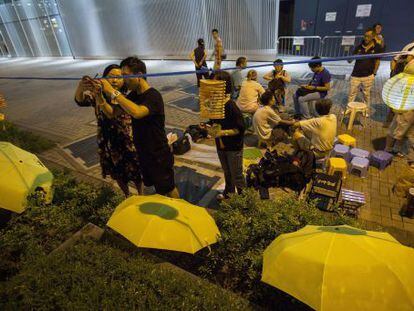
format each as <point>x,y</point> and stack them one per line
<point>117,154</point>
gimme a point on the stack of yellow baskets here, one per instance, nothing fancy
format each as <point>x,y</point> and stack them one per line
<point>213,99</point>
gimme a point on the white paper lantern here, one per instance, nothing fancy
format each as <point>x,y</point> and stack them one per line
<point>398,92</point>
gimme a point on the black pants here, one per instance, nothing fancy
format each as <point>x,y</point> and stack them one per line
<point>232,164</point>
<point>200,75</point>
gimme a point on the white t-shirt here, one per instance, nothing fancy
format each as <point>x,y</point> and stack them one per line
<point>250,92</point>
<point>320,131</point>
<point>264,120</point>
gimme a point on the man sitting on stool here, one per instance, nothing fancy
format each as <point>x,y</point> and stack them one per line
<point>317,134</point>
<point>317,88</point>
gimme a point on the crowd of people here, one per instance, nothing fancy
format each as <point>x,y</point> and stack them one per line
<point>132,142</point>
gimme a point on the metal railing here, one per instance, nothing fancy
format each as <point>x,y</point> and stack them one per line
<point>328,46</point>
<point>299,46</point>
<point>337,46</point>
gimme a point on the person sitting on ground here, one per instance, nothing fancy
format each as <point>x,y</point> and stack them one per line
<point>266,122</point>
<point>278,76</point>
<point>236,76</point>
<point>229,138</point>
<point>317,134</point>
<point>199,56</point>
<point>250,92</point>
<point>316,89</point>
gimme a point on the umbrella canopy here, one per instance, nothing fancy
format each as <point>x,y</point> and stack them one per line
<point>22,173</point>
<point>342,268</point>
<point>398,92</point>
<point>159,222</point>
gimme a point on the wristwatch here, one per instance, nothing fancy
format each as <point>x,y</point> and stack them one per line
<point>115,94</point>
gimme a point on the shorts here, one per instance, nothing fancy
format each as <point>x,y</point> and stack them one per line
<point>158,171</point>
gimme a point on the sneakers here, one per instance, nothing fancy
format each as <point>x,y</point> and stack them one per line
<point>221,197</point>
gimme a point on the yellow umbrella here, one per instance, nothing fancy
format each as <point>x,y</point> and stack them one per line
<point>398,92</point>
<point>342,268</point>
<point>159,222</point>
<point>22,174</point>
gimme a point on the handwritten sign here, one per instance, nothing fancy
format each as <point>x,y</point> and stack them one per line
<point>348,40</point>
<point>298,41</point>
<point>363,10</point>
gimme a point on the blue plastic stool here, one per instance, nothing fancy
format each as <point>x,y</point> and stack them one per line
<point>381,159</point>
<point>341,151</point>
<point>360,165</point>
<point>360,153</point>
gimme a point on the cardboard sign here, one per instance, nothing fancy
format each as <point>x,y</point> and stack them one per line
<point>363,10</point>
<point>330,17</point>
<point>348,40</point>
<point>298,41</point>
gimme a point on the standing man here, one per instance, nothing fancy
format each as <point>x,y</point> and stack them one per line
<point>365,70</point>
<point>146,106</point>
<point>218,50</point>
<point>199,56</point>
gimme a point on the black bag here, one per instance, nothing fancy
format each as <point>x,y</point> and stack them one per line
<point>279,171</point>
<point>325,189</point>
<point>196,132</point>
<point>182,145</point>
<point>303,92</point>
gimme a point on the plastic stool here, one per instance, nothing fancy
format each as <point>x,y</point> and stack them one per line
<point>337,165</point>
<point>361,165</point>
<point>347,140</point>
<point>381,159</point>
<point>341,151</point>
<point>356,152</point>
<point>352,109</point>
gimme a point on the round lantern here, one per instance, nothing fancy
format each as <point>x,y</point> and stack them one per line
<point>398,92</point>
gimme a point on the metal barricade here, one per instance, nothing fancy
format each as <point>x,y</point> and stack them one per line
<point>337,46</point>
<point>299,45</point>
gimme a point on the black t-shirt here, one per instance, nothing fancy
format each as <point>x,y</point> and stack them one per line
<point>149,132</point>
<point>365,67</point>
<point>233,120</point>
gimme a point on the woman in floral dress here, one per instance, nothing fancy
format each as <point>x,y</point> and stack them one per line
<point>117,154</point>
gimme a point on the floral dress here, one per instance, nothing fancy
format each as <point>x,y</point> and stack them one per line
<point>117,154</point>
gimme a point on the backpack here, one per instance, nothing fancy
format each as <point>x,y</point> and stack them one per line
<point>279,171</point>
<point>182,145</point>
<point>196,132</point>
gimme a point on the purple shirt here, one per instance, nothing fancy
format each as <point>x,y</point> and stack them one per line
<point>320,79</point>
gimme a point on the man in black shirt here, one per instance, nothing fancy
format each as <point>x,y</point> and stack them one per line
<point>365,69</point>
<point>146,106</point>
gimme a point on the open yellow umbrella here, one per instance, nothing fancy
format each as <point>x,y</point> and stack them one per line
<point>342,268</point>
<point>159,222</point>
<point>21,174</point>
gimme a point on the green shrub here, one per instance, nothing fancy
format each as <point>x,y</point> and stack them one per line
<point>41,228</point>
<point>98,277</point>
<point>248,225</point>
<point>25,140</point>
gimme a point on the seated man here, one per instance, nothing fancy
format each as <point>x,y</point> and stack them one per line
<point>317,134</point>
<point>236,76</point>
<point>250,92</point>
<point>265,119</point>
<point>317,88</point>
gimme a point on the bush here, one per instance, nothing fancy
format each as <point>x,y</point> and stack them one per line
<point>41,228</point>
<point>25,140</point>
<point>248,225</point>
<point>97,277</point>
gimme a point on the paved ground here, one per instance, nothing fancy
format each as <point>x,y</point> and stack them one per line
<point>47,107</point>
